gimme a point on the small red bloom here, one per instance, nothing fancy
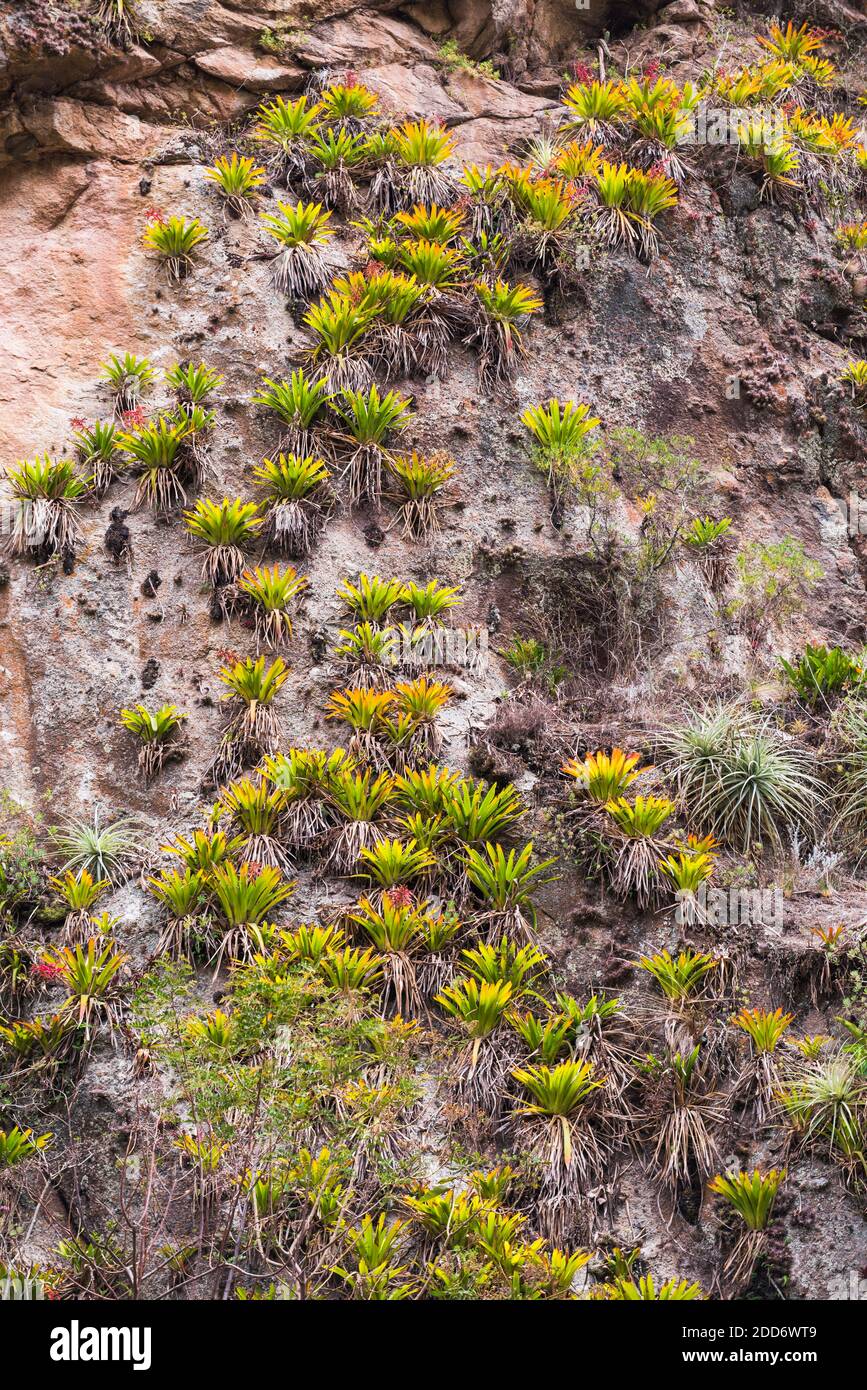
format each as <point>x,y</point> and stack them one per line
<point>401,896</point>
<point>581,72</point>
<point>134,419</point>
<point>155,215</point>
<point>77,423</point>
<point>46,970</point>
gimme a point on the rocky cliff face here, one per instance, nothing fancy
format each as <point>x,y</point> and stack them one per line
<point>735,335</point>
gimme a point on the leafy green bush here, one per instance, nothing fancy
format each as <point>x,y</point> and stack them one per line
<point>21,857</point>
<point>776,577</point>
<point>822,672</point>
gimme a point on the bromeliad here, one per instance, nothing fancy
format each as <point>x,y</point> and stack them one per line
<point>157,733</point>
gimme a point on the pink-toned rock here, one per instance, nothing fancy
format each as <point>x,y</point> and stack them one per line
<point>415,92</point>
<point>433,17</point>
<point>137,62</point>
<point>544,82</point>
<point>485,141</point>
<point>477,24</point>
<point>240,67</point>
<point>482,97</point>
<point>548,31</point>
<point>67,228</point>
<point>681,41</point>
<point>61,125</point>
<point>193,95</point>
<point>197,28</point>
<point>362,40</point>
<point>558,25</point>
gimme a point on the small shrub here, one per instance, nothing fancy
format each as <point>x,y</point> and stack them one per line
<point>129,376</point>
<point>369,418</point>
<point>226,530</point>
<point>525,655</point>
<point>157,733</point>
<point>271,593</point>
<point>776,578</point>
<point>301,231</point>
<point>455,60</point>
<point>99,454</point>
<point>238,179</point>
<point>422,480</point>
<point>47,495</point>
<point>821,673</point>
<point>176,240</point>
<point>298,498</point>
